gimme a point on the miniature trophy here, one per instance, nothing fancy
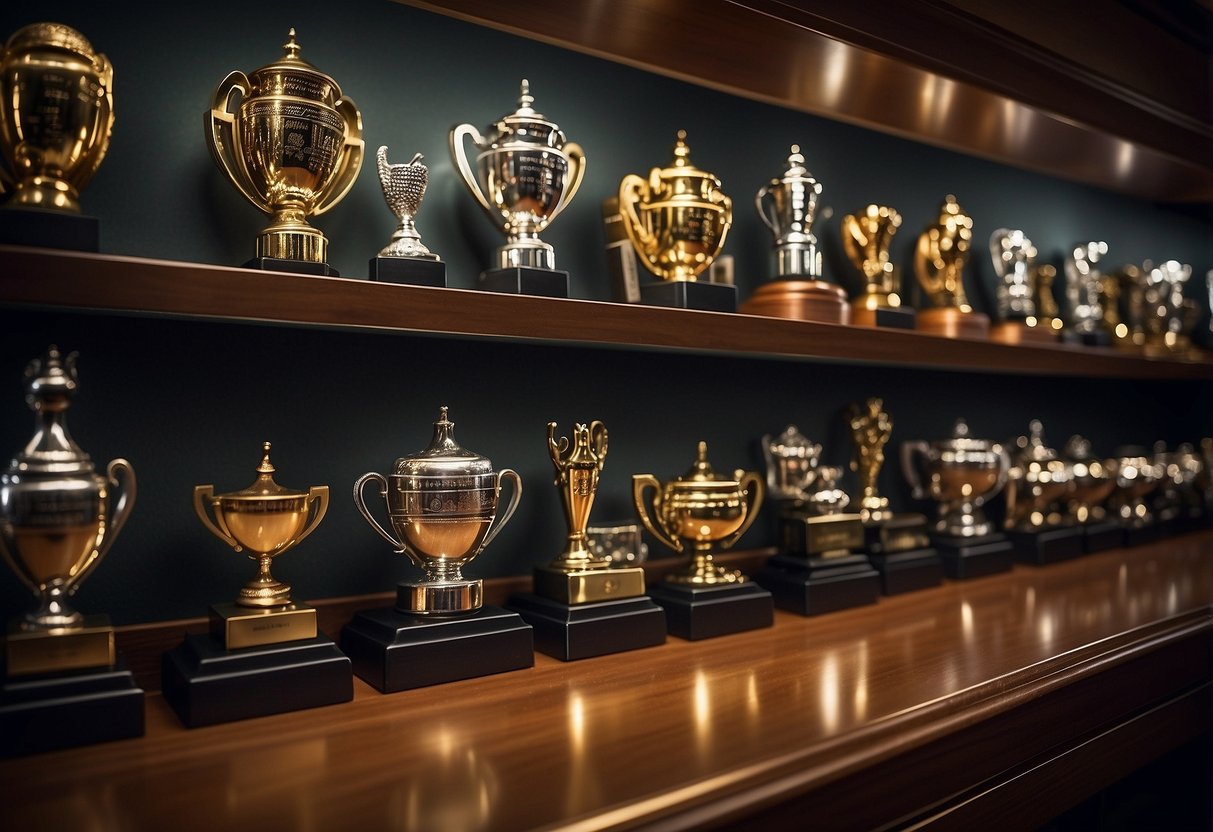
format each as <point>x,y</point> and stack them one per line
<point>64,683</point>
<point>584,605</point>
<point>1094,481</point>
<point>1047,313</point>
<point>788,207</point>
<point>405,259</point>
<point>1084,288</point>
<point>442,505</point>
<point>525,174</point>
<point>1137,477</point>
<point>961,474</point>
<point>1038,485</point>
<point>1168,315</point>
<point>264,654</point>
<point>1019,321</point>
<point>55,122</point>
<point>866,237</point>
<point>695,514</point>
<point>939,261</point>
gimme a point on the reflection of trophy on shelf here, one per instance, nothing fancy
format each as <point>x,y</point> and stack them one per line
<point>405,259</point>
<point>1014,259</point>
<point>1085,292</point>
<point>1094,480</point>
<point>583,605</point>
<point>866,237</point>
<point>1038,485</point>
<point>939,261</point>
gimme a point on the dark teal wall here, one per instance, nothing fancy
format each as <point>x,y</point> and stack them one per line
<point>188,402</point>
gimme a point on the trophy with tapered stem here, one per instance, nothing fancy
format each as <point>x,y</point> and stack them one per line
<point>405,259</point>
<point>939,260</point>
<point>866,238</point>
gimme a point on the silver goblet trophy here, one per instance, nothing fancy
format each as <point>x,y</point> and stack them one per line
<point>403,189</point>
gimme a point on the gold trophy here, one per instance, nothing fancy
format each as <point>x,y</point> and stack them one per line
<point>866,237</point>
<point>1047,313</point>
<point>264,520</point>
<point>292,144</point>
<point>939,261</point>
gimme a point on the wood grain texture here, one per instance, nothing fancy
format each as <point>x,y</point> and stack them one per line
<point>70,280</point>
<point>917,707</point>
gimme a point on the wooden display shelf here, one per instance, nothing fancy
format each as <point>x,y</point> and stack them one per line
<point>96,282</point>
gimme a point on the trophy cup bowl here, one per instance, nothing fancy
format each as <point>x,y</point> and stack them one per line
<point>403,189</point>
<point>962,474</point>
<point>1136,478</point>
<point>56,118</point>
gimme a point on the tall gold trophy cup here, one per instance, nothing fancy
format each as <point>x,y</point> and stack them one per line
<point>939,260</point>
<point>866,238</point>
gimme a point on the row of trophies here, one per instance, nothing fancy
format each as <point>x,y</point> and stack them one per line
<point>291,143</point>
<point>65,683</point>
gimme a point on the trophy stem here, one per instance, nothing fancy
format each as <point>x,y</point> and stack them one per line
<point>705,571</point>
<point>290,237</point>
<point>53,611</point>
<point>577,556</point>
<point>264,590</point>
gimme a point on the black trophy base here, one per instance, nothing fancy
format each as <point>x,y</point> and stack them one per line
<point>548,283</point>
<point>697,612</point>
<point>280,264</point>
<point>908,571</point>
<point>683,294</point>
<point>815,586</point>
<point>411,271</point>
<point>65,710</point>
<point>206,684</point>
<point>45,228</point>
<point>974,557</point>
<point>1099,537</point>
<point>1098,338</point>
<point>1142,536</point>
<point>394,651</point>
<point>581,631</point>
<point>1048,545</point>
<point>897,317</point>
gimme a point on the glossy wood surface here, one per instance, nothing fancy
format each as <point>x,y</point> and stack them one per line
<point>68,280</point>
<point>921,703</point>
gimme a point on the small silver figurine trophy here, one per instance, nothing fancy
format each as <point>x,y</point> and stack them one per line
<point>1083,287</point>
<point>1013,255</point>
<point>405,259</point>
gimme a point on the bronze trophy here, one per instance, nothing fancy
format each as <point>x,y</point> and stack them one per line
<point>939,261</point>
<point>263,640</point>
<point>1039,485</point>
<point>866,237</point>
<point>64,682</point>
<point>584,605</point>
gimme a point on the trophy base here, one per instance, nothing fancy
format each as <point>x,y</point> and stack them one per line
<point>206,684</point>
<point>521,280</point>
<point>91,645</point>
<point>1141,536</point>
<point>281,264</point>
<point>951,322</point>
<point>65,710</point>
<point>234,626</point>
<point>581,631</point>
<point>885,317</point>
<point>394,651</point>
<point>45,228</point>
<point>696,612</point>
<point>1099,537</point>
<point>1018,332</point>
<point>908,571</point>
<point>824,536</point>
<point>801,300</point>
<point>589,585</point>
<point>433,598</point>
<point>411,271</point>
<point>1098,338</point>
<point>690,294</point>
<point>1047,546</point>
<point>816,586</point>
<point>899,533</point>
<point>974,557</point>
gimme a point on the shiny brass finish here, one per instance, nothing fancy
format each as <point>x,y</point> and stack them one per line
<point>678,218</point>
<point>56,115</point>
<point>700,511</point>
<point>1094,480</point>
<point>32,651</point>
<point>870,428</point>
<point>292,145</point>
<point>962,474</point>
<point>866,237</point>
<point>1038,484</point>
<point>236,626</point>
<point>1047,313</point>
<point>821,526</point>
<point>265,519</point>
<point>939,261</point>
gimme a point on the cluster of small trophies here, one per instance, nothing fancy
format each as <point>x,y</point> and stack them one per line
<point>291,142</point>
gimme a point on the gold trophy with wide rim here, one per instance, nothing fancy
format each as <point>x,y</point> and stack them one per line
<point>866,238</point>
<point>939,261</point>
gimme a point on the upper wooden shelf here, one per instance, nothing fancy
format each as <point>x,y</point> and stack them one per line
<point>72,280</point>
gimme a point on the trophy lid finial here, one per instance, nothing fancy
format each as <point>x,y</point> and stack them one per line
<point>291,47</point>
<point>50,383</point>
<point>525,99</point>
<point>682,152</point>
<point>266,467</point>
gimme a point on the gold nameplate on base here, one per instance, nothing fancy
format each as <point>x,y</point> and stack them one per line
<point>29,652</point>
<point>588,585</point>
<point>236,626</point>
<point>824,536</point>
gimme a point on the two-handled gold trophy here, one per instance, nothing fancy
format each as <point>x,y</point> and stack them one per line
<point>939,260</point>
<point>405,259</point>
<point>866,238</point>
<point>583,605</point>
<point>444,508</point>
<point>698,514</point>
<point>264,654</point>
<point>64,683</point>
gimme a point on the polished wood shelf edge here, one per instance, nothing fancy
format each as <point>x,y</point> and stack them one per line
<point>122,284</point>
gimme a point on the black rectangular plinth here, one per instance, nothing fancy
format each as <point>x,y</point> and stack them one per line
<point>974,557</point>
<point>279,264</point>
<point>65,710</point>
<point>411,271</point>
<point>1098,338</point>
<point>1099,537</point>
<point>394,651</point>
<point>900,317</point>
<point>1141,536</point>
<point>899,533</point>
<point>581,631</point>
<point>1047,546</point>
<point>683,294</point>
<point>696,612</point>
<point>548,283</point>
<point>207,684</point>
<point>814,586</point>
<point>908,571</point>
<point>49,229</point>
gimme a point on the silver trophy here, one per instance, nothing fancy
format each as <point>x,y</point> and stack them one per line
<point>1168,315</point>
<point>1083,281</point>
<point>791,465</point>
<point>403,190</point>
<point>1014,259</point>
<point>788,206</point>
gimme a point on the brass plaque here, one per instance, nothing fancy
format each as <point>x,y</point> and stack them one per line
<point>48,651</point>
<point>236,626</point>
<point>589,585</point>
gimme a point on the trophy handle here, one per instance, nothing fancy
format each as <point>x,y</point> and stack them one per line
<point>502,519</point>
<point>105,75</point>
<point>598,439</point>
<point>351,158</point>
<point>909,450</point>
<point>204,495</point>
<point>1004,474</point>
<point>755,491</point>
<point>577,173</point>
<point>630,189</point>
<point>122,510</point>
<point>317,495</point>
<point>640,482</point>
<point>458,136</point>
<point>219,124</point>
<point>761,200</point>
<point>358,501</point>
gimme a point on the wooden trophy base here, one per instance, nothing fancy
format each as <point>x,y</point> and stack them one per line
<point>814,586</point>
<point>951,322</point>
<point>802,300</point>
<point>1018,332</point>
